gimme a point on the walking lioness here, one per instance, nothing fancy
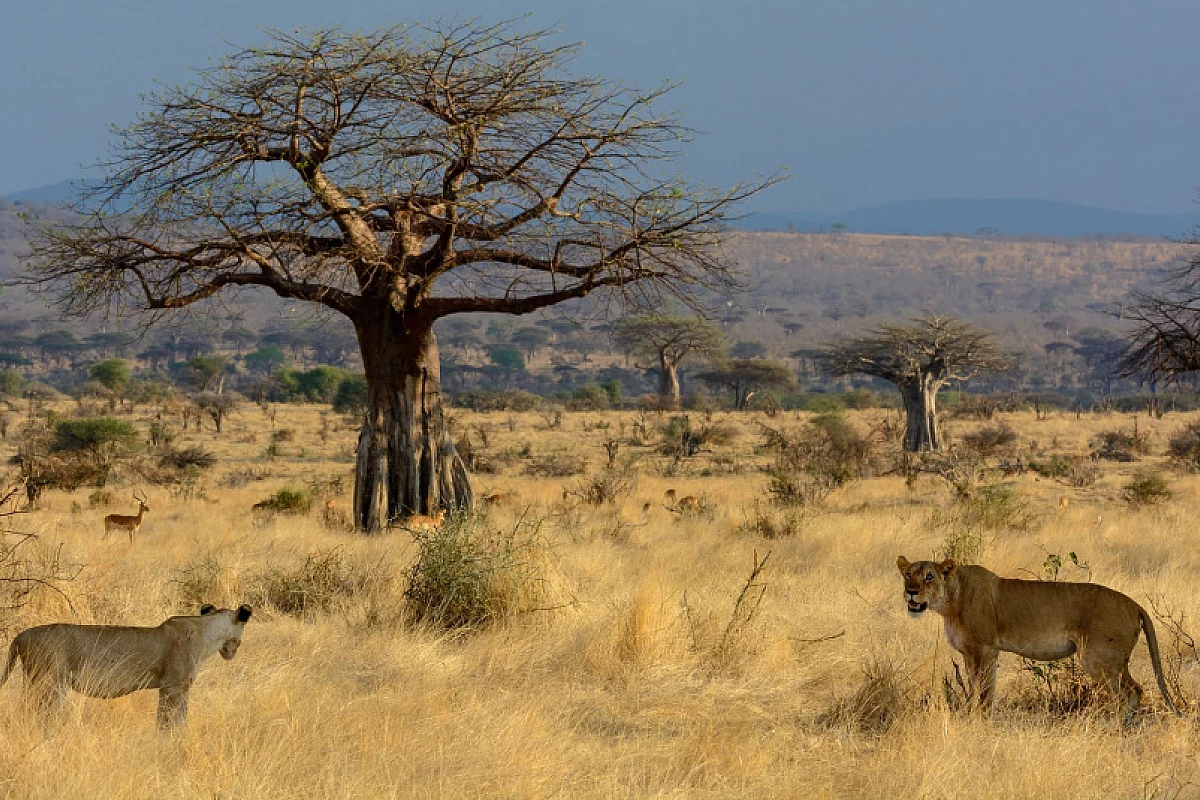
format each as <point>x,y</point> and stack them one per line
<point>1042,620</point>
<point>113,661</point>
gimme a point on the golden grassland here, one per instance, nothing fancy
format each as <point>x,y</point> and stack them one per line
<point>644,679</point>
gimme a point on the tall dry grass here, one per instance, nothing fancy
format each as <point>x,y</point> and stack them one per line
<point>647,679</point>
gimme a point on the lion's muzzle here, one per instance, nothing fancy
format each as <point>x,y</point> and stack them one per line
<point>914,607</point>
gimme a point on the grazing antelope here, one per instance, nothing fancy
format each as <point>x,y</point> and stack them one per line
<point>689,503</point>
<point>499,498</point>
<point>420,522</point>
<point>669,496</point>
<point>126,522</point>
<point>1063,502</point>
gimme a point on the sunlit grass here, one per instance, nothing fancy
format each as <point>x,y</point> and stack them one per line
<point>635,683</point>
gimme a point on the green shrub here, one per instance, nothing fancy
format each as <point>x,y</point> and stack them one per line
<point>1146,489</point>
<point>12,383</point>
<point>470,575</point>
<point>589,397</point>
<point>93,434</point>
<point>287,501</point>
<point>351,395</point>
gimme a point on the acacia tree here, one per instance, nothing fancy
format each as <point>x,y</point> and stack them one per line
<point>396,177</point>
<point>920,357</point>
<point>745,377</point>
<point>670,339</point>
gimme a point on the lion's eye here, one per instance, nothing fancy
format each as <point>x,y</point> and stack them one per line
<point>928,577</point>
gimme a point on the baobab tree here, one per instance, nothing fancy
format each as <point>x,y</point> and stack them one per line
<point>920,357</point>
<point>396,177</point>
<point>670,339</point>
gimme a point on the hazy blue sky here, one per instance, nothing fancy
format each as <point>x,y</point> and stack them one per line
<point>866,101</point>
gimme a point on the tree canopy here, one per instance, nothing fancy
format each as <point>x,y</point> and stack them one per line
<point>457,164</point>
<point>1163,342</point>
<point>932,347</point>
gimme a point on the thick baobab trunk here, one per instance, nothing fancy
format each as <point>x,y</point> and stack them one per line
<point>668,382</point>
<point>921,431</point>
<point>407,463</point>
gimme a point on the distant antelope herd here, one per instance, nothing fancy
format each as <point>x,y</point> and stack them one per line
<point>131,523</point>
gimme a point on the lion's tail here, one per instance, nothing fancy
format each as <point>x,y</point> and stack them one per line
<point>13,652</point>
<point>1155,660</point>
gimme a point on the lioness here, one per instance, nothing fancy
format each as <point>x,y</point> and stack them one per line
<point>113,661</point>
<point>1042,620</point>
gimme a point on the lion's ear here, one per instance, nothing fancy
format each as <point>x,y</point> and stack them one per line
<point>207,609</point>
<point>947,567</point>
<point>243,613</point>
<point>902,564</point>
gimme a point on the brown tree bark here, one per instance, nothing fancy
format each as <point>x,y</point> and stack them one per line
<point>407,463</point>
<point>668,381</point>
<point>921,430</point>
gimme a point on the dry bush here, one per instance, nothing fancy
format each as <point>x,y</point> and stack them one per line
<point>202,581</point>
<point>1178,649</point>
<point>826,454</point>
<point>882,700</point>
<point>679,438</point>
<point>991,440</point>
<point>772,523</point>
<point>1120,445</point>
<point>320,584</point>
<point>186,457</point>
<point>1057,688</point>
<point>1077,471</point>
<point>609,486</point>
<point>973,519</point>
<point>1184,447</point>
<point>237,478</point>
<point>1146,489</point>
<point>469,574</point>
<point>555,465</point>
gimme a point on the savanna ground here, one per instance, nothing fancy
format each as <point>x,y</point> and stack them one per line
<point>640,674</point>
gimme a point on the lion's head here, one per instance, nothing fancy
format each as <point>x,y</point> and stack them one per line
<point>925,583</point>
<point>226,626</point>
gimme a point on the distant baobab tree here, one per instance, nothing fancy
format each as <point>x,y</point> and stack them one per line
<point>670,339</point>
<point>920,357</point>
<point>397,177</point>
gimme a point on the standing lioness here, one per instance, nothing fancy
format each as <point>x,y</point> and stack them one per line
<point>1042,620</point>
<point>113,661</point>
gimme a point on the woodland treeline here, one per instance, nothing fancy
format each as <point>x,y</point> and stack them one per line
<point>1055,304</point>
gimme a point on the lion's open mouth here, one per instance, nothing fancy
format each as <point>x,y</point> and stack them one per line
<point>916,608</point>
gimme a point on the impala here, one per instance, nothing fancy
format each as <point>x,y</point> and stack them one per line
<point>126,522</point>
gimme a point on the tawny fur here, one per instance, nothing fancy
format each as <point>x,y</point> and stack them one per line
<point>421,522</point>
<point>985,614</point>
<point>113,660</point>
<point>126,522</point>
